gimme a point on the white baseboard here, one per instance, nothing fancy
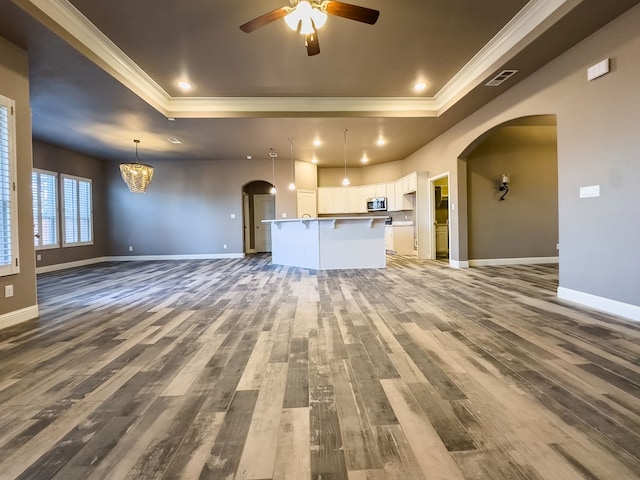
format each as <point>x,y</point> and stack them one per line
<point>64,266</point>
<point>458,263</point>
<point>134,258</point>
<point>603,304</point>
<point>203,256</point>
<point>485,262</point>
<point>23,315</point>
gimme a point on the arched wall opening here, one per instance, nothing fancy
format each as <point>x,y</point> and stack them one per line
<point>518,225</point>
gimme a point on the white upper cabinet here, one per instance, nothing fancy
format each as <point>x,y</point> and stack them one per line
<point>409,183</point>
<point>399,194</point>
<point>332,200</point>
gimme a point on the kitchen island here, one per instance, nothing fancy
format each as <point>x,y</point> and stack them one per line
<point>329,243</point>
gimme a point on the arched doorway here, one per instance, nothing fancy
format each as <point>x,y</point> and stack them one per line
<point>258,204</point>
<point>518,225</point>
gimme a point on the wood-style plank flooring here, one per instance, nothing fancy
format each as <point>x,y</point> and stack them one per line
<point>241,369</point>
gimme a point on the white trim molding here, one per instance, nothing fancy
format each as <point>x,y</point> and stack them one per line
<point>204,256</point>
<point>458,263</point>
<point>65,266</point>
<point>603,304</point>
<point>486,262</point>
<point>66,20</point>
<point>19,316</point>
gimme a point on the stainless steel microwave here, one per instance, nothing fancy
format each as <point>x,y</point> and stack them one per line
<point>377,204</point>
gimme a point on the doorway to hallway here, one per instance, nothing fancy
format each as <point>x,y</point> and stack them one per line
<point>258,204</point>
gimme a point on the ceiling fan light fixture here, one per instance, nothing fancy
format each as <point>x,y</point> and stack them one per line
<point>319,17</point>
<point>306,26</point>
<point>305,17</point>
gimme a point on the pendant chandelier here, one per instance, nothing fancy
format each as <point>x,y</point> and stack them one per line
<point>136,175</point>
<point>273,155</point>
<point>292,185</point>
<point>345,180</point>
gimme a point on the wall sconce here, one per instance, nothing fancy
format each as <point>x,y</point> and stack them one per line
<point>505,185</point>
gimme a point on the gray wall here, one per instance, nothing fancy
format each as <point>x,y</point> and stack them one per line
<point>598,144</point>
<point>188,206</point>
<point>14,84</point>
<point>525,223</point>
<point>55,159</point>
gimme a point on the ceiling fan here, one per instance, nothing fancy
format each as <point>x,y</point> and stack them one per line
<point>306,16</point>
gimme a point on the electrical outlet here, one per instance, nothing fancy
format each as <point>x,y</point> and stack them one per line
<point>8,291</point>
<point>224,246</point>
<point>130,248</point>
<point>38,257</point>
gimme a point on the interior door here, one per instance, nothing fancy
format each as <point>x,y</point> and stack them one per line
<point>307,205</point>
<point>264,208</point>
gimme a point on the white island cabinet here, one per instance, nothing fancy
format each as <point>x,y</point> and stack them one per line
<point>329,243</point>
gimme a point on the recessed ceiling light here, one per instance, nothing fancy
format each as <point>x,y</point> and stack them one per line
<point>314,160</point>
<point>171,119</point>
<point>184,85</point>
<point>174,140</point>
<point>420,86</point>
<point>249,157</point>
<point>317,142</point>
<point>381,141</point>
<point>364,158</point>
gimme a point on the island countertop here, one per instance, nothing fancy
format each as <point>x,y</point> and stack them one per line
<point>326,243</point>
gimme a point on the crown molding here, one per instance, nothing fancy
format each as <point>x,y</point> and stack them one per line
<point>527,25</point>
<point>68,22</point>
<point>229,107</point>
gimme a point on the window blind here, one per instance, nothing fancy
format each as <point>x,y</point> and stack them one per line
<point>45,208</point>
<point>78,211</point>
<point>8,216</point>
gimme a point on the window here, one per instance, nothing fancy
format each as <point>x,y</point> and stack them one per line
<point>77,211</point>
<point>45,209</point>
<point>8,201</point>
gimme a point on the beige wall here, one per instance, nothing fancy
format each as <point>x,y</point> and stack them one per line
<point>367,175</point>
<point>14,84</point>
<point>306,175</point>
<point>525,223</point>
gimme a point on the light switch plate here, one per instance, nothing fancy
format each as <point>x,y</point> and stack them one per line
<point>8,291</point>
<point>590,191</point>
<point>598,70</point>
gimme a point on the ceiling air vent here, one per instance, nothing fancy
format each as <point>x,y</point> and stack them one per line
<point>174,140</point>
<point>501,77</point>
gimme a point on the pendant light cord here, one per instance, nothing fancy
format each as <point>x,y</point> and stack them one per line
<point>345,153</point>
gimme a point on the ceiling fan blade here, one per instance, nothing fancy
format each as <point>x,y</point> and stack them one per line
<point>352,12</point>
<point>263,20</point>
<point>313,46</point>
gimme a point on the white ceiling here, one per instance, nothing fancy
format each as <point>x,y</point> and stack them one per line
<point>104,73</point>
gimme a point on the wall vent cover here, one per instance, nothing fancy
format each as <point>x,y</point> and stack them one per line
<point>501,78</point>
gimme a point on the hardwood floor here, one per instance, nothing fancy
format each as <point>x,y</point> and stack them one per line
<point>241,369</point>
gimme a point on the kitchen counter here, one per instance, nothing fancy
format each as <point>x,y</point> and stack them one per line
<point>329,243</point>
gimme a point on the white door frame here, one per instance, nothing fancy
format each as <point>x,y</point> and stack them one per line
<point>246,223</point>
<point>432,213</point>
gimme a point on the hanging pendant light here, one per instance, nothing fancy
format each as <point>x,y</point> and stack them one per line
<point>136,175</point>
<point>273,156</point>
<point>292,185</point>
<point>345,180</point>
